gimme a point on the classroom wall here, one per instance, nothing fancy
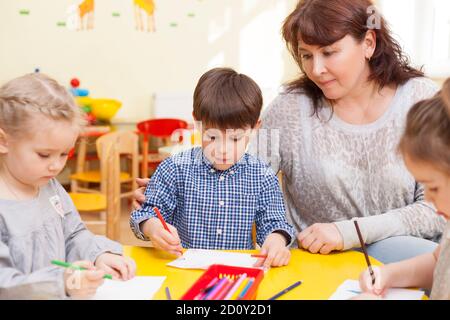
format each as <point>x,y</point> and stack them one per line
<point>115,60</point>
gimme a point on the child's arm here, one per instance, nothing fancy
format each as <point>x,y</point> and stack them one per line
<point>414,272</point>
<point>83,245</point>
<point>161,192</point>
<point>45,283</point>
<point>273,232</point>
<point>80,243</point>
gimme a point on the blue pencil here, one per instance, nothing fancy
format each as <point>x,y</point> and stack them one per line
<point>279,294</point>
<point>168,294</point>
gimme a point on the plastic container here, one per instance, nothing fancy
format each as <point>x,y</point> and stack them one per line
<point>215,270</point>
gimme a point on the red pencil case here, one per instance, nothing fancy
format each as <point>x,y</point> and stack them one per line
<point>217,269</point>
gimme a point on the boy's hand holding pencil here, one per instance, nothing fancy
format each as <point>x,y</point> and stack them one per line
<point>163,236</point>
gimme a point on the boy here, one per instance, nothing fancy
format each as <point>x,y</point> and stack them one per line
<point>211,196</point>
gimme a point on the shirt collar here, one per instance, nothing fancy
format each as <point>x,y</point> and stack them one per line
<point>233,169</point>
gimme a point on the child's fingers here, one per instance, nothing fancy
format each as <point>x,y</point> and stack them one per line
<point>170,238</point>
<point>120,266</point>
<point>84,264</point>
<point>111,271</point>
<point>269,260</point>
<point>160,243</point>
<point>94,275</point>
<point>131,265</point>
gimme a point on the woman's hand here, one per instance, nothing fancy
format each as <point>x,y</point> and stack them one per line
<point>119,267</point>
<point>277,253</point>
<point>138,194</point>
<point>321,237</point>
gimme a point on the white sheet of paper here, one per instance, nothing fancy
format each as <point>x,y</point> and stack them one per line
<point>138,288</point>
<point>202,259</point>
<point>350,288</point>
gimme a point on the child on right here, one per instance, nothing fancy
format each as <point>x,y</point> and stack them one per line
<point>425,147</point>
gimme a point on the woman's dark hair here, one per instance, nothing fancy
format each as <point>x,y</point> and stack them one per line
<point>323,22</point>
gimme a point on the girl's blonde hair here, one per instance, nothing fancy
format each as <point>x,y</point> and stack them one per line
<point>427,134</point>
<point>23,98</point>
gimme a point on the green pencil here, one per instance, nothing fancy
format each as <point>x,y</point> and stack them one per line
<point>75,267</point>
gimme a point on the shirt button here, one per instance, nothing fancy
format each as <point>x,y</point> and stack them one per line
<point>219,231</point>
<point>231,172</point>
<point>222,178</point>
<point>212,170</point>
<point>221,203</point>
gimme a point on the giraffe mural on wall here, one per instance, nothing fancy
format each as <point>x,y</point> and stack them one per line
<point>146,7</point>
<point>86,14</point>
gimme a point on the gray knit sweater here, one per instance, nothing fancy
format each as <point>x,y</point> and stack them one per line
<point>334,171</point>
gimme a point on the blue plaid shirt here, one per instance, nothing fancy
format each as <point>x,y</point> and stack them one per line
<point>214,209</point>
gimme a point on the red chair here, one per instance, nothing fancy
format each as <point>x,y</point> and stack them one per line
<point>161,129</point>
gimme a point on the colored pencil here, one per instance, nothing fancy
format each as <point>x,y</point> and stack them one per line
<point>279,294</point>
<point>363,247</point>
<point>160,217</point>
<point>169,297</point>
<point>235,286</point>
<point>247,287</point>
<point>216,289</point>
<point>75,267</point>
<point>261,256</point>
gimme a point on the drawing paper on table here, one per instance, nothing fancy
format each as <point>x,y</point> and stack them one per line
<point>202,259</point>
<point>350,288</point>
<point>138,288</point>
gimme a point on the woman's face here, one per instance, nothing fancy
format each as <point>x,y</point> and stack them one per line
<point>338,69</point>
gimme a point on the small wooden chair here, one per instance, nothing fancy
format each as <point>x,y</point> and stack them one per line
<point>128,149</point>
<point>109,149</point>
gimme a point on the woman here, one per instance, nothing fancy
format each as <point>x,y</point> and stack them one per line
<point>334,131</point>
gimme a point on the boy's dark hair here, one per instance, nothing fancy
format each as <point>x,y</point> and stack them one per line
<point>226,99</point>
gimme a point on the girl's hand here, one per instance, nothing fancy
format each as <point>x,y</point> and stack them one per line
<point>119,267</point>
<point>138,194</point>
<point>321,237</point>
<point>381,281</point>
<point>83,284</point>
<point>161,238</point>
<point>277,253</point>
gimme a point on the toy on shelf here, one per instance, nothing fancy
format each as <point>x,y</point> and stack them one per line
<point>98,111</point>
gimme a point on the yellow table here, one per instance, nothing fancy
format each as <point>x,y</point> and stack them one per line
<point>321,274</point>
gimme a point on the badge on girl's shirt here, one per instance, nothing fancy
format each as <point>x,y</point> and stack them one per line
<point>57,205</point>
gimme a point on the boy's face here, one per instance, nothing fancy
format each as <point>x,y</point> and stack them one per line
<point>223,148</point>
<point>436,182</point>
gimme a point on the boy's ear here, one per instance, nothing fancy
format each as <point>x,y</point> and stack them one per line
<point>3,142</point>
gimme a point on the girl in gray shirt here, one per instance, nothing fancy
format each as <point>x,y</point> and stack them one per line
<point>39,124</point>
